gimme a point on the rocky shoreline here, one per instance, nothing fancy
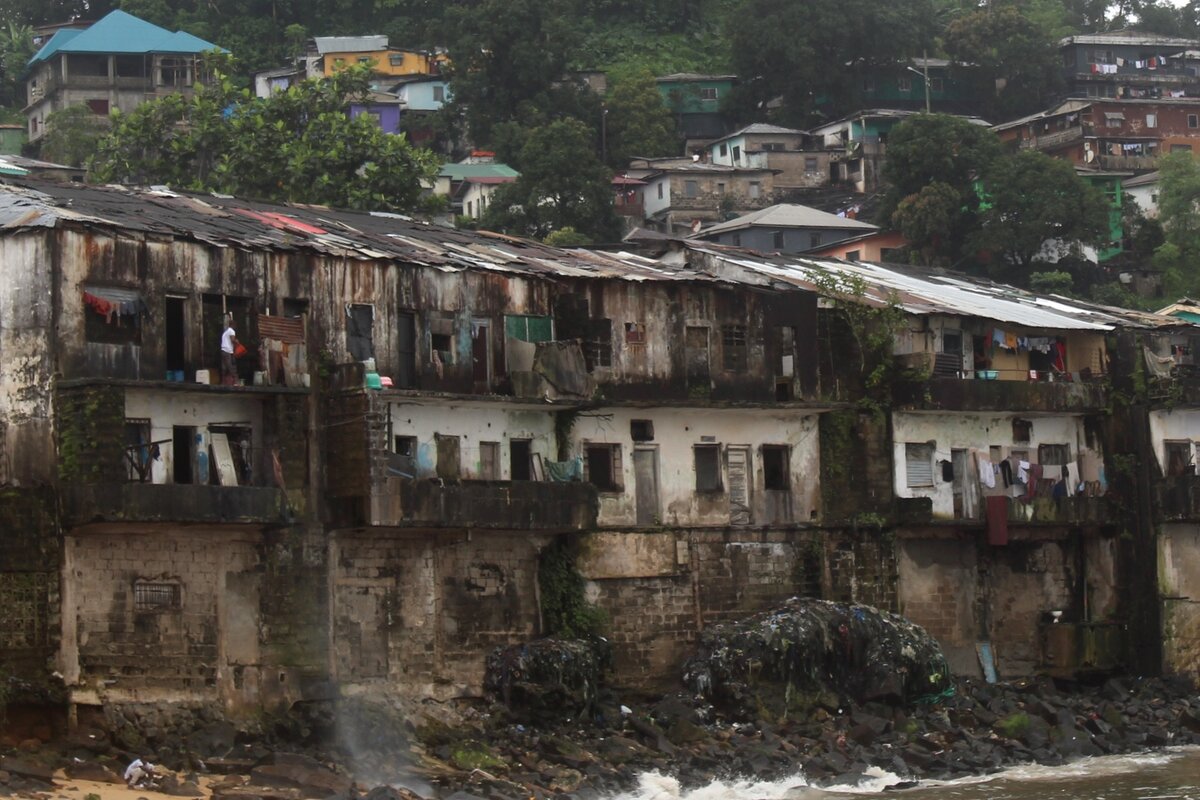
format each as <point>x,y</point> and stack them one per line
<point>465,750</point>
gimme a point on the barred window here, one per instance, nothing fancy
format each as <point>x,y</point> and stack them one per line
<point>733,339</point>
<point>149,596</point>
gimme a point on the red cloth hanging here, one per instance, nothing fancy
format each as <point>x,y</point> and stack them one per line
<point>997,520</point>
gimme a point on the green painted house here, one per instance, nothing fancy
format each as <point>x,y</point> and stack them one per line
<point>1111,184</point>
<point>696,100</point>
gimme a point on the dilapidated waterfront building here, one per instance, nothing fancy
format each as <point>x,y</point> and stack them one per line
<point>422,412</point>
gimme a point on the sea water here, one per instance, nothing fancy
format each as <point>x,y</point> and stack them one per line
<point>1163,775</point>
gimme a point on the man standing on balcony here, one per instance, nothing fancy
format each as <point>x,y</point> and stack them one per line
<point>229,343</point>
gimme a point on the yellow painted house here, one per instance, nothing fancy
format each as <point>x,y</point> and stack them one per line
<point>340,52</point>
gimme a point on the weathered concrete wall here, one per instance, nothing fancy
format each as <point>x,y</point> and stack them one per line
<point>212,614</point>
<point>472,423</point>
<point>979,432</point>
<point>417,613</point>
<point>675,437</point>
<point>26,330</point>
<point>29,587</point>
<point>964,591</point>
<point>1179,576</point>
<point>1174,425</point>
<point>938,590</point>
<point>660,589</point>
<point>165,410</point>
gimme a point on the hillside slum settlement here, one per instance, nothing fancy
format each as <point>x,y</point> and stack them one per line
<point>424,415</point>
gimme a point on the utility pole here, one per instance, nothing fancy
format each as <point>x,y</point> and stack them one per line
<point>925,59</point>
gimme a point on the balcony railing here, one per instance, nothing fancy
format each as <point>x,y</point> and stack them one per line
<point>172,503</point>
<point>1178,497</point>
<point>495,505</point>
<point>967,394</point>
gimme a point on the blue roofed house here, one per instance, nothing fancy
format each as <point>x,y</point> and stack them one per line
<point>119,61</point>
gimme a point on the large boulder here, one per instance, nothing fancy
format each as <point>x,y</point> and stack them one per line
<point>812,653</point>
<point>548,678</point>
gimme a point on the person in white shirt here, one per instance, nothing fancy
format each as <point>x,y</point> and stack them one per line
<point>138,771</point>
<point>229,343</point>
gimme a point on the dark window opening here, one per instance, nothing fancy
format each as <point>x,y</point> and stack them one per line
<point>775,466</point>
<point>1179,459</point>
<point>733,340</point>
<point>641,430</point>
<point>294,308</point>
<point>360,337</point>
<point>520,459</point>
<point>952,342</point>
<point>157,596</point>
<point>406,350</point>
<point>603,465</point>
<point>140,453</point>
<point>1054,455</point>
<point>853,255</point>
<point>441,348</point>
<point>597,348</point>
<point>777,240</point>
<point>98,106</point>
<point>213,326</point>
<point>112,316</point>
<point>1022,429</point>
<point>183,454</point>
<point>814,240</point>
<point>708,467</point>
<point>175,331</point>
<point>403,460</point>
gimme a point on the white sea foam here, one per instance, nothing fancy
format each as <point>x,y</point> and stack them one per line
<point>656,786</point>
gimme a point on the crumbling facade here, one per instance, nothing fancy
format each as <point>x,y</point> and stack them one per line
<point>422,412</point>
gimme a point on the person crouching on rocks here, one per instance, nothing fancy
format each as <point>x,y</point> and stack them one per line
<point>139,773</point>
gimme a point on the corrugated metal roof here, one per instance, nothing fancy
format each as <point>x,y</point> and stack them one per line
<point>122,33</point>
<point>350,44</point>
<point>787,215</point>
<point>229,222</point>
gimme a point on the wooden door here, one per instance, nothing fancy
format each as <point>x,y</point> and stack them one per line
<point>738,471</point>
<point>645,476</point>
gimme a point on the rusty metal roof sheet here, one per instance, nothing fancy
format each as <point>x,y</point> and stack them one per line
<point>229,222</point>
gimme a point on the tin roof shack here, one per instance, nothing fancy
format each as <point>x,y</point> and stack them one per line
<point>118,62</point>
<point>176,495</point>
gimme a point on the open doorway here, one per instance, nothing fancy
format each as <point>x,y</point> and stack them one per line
<point>174,329</point>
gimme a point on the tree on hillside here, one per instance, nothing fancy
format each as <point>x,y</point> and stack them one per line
<point>1179,213</point>
<point>72,135</point>
<point>1014,61</point>
<point>1038,209</point>
<point>638,122</point>
<point>801,51</point>
<point>563,184</point>
<point>16,48</point>
<point>508,60</point>
<point>932,165</point>
<point>298,145</point>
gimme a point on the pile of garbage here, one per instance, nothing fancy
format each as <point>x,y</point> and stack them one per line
<point>548,677</point>
<point>811,653</point>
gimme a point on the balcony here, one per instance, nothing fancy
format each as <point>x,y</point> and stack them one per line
<point>1054,140</point>
<point>1178,497</point>
<point>1042,510</point>
<point>1138,163</point>
<point>968,394</point>
<point>475,504</point>
<point>172,503</point>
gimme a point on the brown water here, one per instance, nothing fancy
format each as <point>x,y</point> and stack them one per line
<point>1165,775</point>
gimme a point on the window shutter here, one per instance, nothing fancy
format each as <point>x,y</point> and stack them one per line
<point>618,473</point>
<point>919,464</point>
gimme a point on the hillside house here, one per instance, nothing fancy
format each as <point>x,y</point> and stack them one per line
<point>118,62</point>
<point>680,194</point>
<point>785,228</point>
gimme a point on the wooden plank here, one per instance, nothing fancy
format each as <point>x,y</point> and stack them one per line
<point>226,472</point>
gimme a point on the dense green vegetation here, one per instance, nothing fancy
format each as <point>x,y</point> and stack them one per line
<point>798,61</point>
